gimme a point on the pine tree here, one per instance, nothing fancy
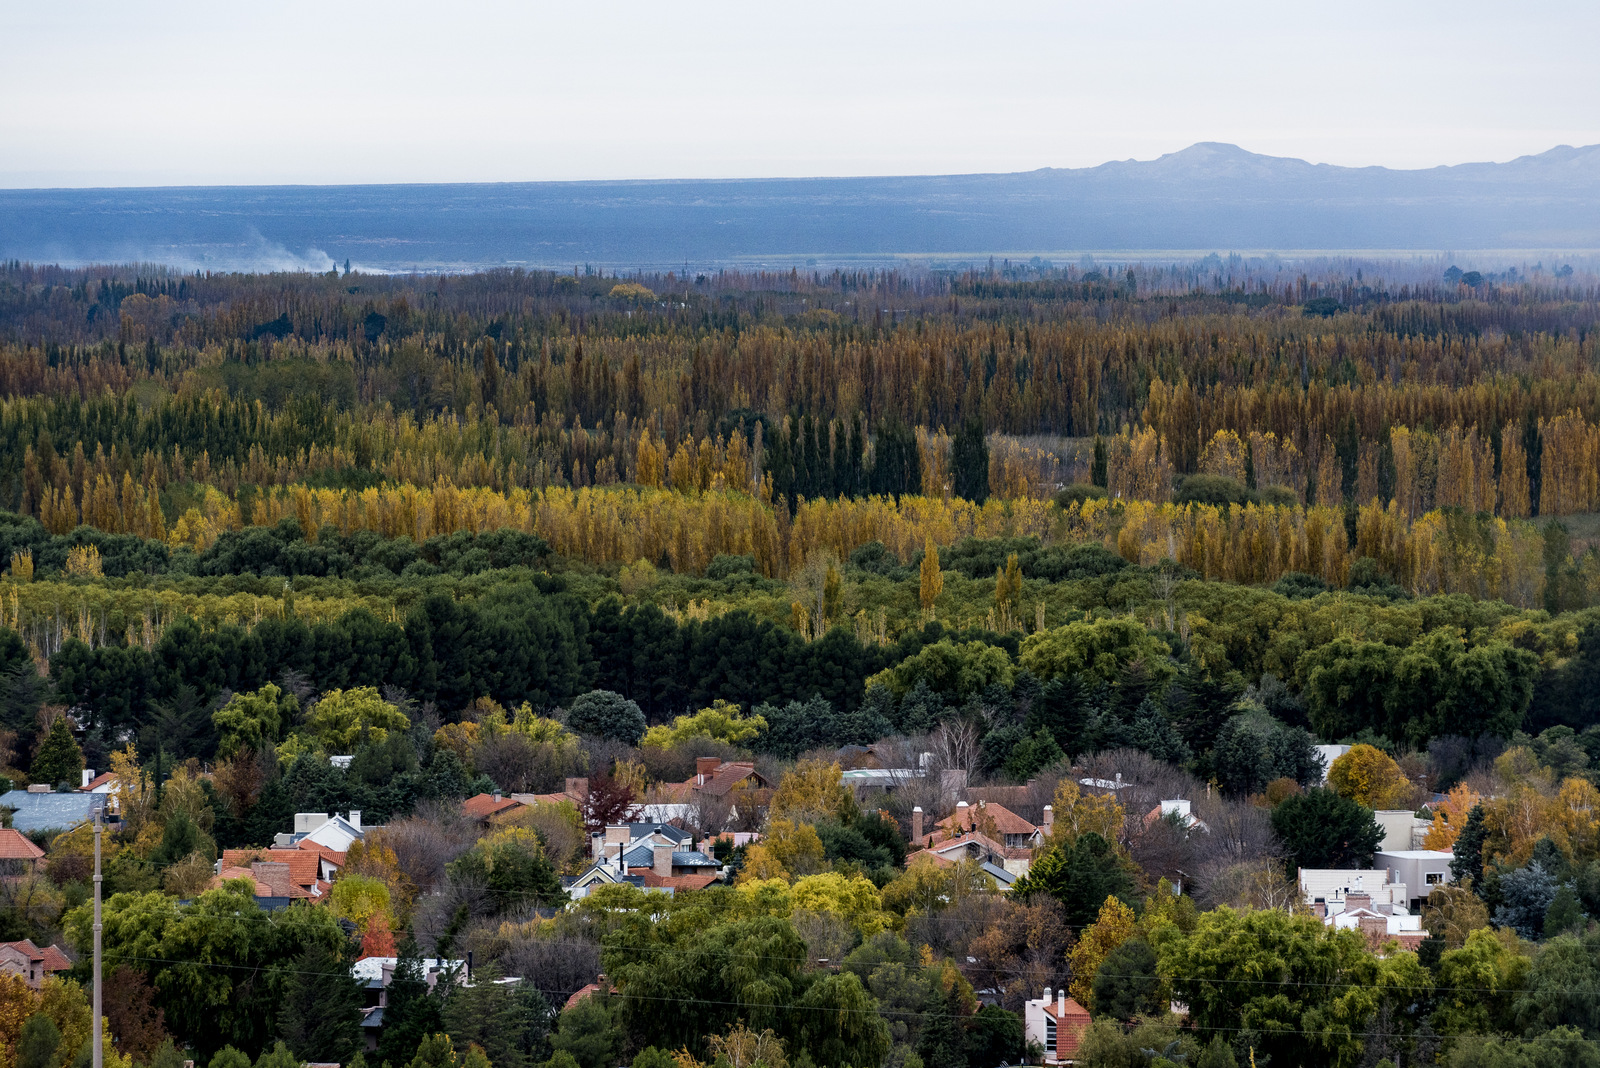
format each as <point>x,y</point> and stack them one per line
<point>59,760</point>
<point>1468,862</point>
<point>969,463</point>
<point>320,1018</point>
<point>412,1013</point>
<point>1097,470</point>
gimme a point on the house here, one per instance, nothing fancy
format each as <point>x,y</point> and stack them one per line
<point>30,962</point>
<point>18,854</point>
<point>103,783</point>
<point>485,808</point>
<point>38,808</point>
<point>649,855</point>
<point>1418,869</point>
<point>279,874</point>
<point>993,835</point>
<point>376,973</point>
<point>1402,830</point>
<point>1058,1024</point>
<point>1365,901</point>
<point>335,832</point>
<point>1009,829</point>
<point>1179,810</point>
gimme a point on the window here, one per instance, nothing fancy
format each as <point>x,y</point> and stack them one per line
<point>1049,1033</point>
<point>1435,878</point>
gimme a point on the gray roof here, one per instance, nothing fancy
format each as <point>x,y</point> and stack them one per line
<point>51,812</point>
<point>644,857</point>
<point>666,830</point>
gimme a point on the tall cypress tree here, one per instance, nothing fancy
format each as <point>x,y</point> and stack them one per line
<point>1098,474</point>
<point>412,1013</point>
<point>1468,862</point>
<point>969,463</point>
<point>59,760</point>
<point>320,1019</point>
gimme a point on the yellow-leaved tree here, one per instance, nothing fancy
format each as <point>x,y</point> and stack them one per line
<point>723,721</point>
<point>1369,776</point>
<point>1114,926</point>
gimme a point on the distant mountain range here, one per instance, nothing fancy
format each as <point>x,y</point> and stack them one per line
<point>1208,197</point>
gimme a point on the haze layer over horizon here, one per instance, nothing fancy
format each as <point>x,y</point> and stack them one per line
<point>106,94</point>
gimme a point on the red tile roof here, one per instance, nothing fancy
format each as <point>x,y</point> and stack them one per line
<point>1071,1026</point>
<point>97,782</point>
<point>579,995</point>
<point>14,845</point>
<point>332,856</point>
<point>50,957</point>
<point>302,862</point>
<point>484,805</point>
<point>728,775</point>
<point>674,882</point>
<point>1005,821</point>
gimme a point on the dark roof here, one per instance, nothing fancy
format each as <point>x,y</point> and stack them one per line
<point>52,811</point>
<point>644,856</point>
<point>666,830</point>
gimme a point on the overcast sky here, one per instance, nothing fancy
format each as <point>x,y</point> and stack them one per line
<point>323,91</point>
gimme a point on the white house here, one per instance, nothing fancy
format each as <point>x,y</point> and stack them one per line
<point>334,832</point>
<point>1058,1024</point>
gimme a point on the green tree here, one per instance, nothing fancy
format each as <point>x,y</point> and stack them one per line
<point>59,760</point>
<point>345,719</point>
<point>499,1018</point>
<point>413,1012</point>
<point>1080,876</point>
<point>320,1017</point>
<point>277,1056</point>
<point>1253,749</point>
<point>253,721</point>
<point>1467,865</point>
<point>228,1057</point>
<point>607,715</point>
<point>180,838</point>
<point>512,866</point>
<point>1100,648</point>
<point>1320,829</point>
<point>589,1034</point>
<point>37,1045</point>
<point>838,1022</point>
<point>1347,686</point>
<point>1562,988</point>
<point>969,463</point>
<point>1126,984</point>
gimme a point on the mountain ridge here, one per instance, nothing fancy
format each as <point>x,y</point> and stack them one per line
<point>1208,196</point>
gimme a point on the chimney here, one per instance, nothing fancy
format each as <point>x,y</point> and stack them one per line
<point>916,823</point>
<point>597,842</point>
<point>355,815</point>
<point>1061,1001</point>
<point>39,788</point>
<point>662,854</point>
<point>1049,818</point>
<point>1354,901</point>
<point>704,768</point>
<point>497,797</point>
<point>1047,996</point>
<point>88,777</point>
<point>618,834</point>
<point>963,810</point>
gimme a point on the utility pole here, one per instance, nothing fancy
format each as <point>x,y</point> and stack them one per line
<point>97,1025</point>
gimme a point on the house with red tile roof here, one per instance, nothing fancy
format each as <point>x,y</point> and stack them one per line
<point>485,808</point>
<point>990,834</point>
<point>18,854</point>
<point>293,874</point>
<point>31,962</point>
<point>1058,1024</point>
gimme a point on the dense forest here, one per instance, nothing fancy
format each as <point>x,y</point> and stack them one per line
<point>1050,528</point>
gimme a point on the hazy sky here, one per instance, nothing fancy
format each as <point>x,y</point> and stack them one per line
<point>323,91</point>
